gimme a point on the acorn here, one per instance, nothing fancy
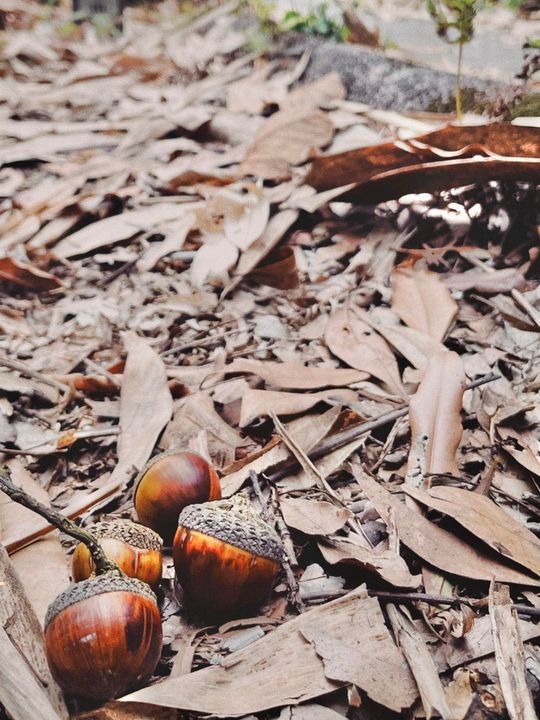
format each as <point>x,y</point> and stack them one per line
<point>135,548</point>
<point>169,483</point>
<point>103,636</point>
<point>226,557</point>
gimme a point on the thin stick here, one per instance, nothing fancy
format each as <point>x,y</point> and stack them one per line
<point>338,440</point>
<point>446,600</point>
<point>102,563</point>
<point>25,369</point>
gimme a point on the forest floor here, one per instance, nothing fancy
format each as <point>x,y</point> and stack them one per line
<point>336,306</point>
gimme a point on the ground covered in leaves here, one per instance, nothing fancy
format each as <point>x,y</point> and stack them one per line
<point>182,268</point>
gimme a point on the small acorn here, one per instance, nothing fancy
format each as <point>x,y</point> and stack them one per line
<point>226,557</point>
<point>135,548</point>
<point>103,636</point>
<point>169,483</point>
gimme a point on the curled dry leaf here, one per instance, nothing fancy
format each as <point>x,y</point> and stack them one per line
<point>386,564</point>
<point>26,275</point>
<point>260,403</point>
<point>355,342</point>
<point>414,345</point>
<point>422,301</point>
<point>313,517</point>
<point>435,418</point>
<point>509,655</point>
<point>287,138</point>
<point>436,546</point>
<point>295,376</point>
<point>485,519</point>
<point>278,270</point>
<point>489,283</point>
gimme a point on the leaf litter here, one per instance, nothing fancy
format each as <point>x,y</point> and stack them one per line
<point>191,260</point>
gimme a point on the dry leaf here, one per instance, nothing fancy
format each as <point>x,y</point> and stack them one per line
<point>313,517</point>
<point>294,376</point>
<point>509,655</point>
<point>485,519</point>
<point>384,563</point>
<point>421,663</point>
<point>26,275</point>
<point>42,567</point>
<point>278,270</point>
<point>422,301</point>
<point>436,546</point>
<point>260,403</point>
<point>435,419</point>
<point>316,94</point>
<point>283,669</point>
<point>414,345</point>
<point>498,281</point>
<point>352,340</point>
<point>287,138</point>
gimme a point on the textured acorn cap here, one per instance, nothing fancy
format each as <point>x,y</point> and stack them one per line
<point>129,532</point>
<point>236,523</point>
<point>110,582</point>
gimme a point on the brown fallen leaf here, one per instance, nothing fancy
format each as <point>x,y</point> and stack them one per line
<point>422,301</point>
<point>362,165</point>
<point>277,226</point>
<point>318,93</point>
<point>435,419</point>
<point>260,403</point>
<point>307,431</point>
<point>436,546</point>
<point>384,563</point>
<point>41,567</point>
<point>421,664</point>
<point>490,283</point>
<point>26,275</point>
<point>283,669</point>
<point>313,517</point>
<point>287,138</point>
<point>414,345</point>
<point>117,228</point>
<point>278,270</point>
<point>524,447</point>
<point>509,655</point>
<point>295,376</point>
<point>485,519</point>
<point>27,687</point>
<point>352,340</point>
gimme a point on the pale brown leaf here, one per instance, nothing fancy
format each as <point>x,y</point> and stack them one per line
<point>482,517</point>
<point>259,403</point>
<point>422,301</point>
<point>509,655</point>
<point>352,340</point>
<point>414,345</point>
<point>313,517</point>
<point>283,669</point>
<point>295,376</point>
<point>287,138</point>
<point>434,414</point>
<point>436,546</point>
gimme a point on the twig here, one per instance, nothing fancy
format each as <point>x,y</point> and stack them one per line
<point>338,440</point>
<point>531,311</point>
<point>25,369</point>
<point>289,560</point>
<point>474,603</point>
<point>102,563</point>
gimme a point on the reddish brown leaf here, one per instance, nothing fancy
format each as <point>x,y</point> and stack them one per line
<point>278,270</point>
<point>26,275</point>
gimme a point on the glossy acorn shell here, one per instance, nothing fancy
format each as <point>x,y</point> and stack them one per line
<point>168,484</point>
<point>135,548</point>
<point>225,563</point>
<point>103,637</point>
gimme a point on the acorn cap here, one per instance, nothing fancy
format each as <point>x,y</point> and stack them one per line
<point>236,523</point>
<point>109,582</point>
<point>139,536</point>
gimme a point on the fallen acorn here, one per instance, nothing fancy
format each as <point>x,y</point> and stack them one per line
<point>169,483</point>
<point>103,636</point>
<point>226,557</point>
<point>136,550</point>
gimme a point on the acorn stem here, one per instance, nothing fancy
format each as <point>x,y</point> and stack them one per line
<point>18,495</point>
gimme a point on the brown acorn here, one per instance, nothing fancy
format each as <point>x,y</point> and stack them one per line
<point>103,636</point>
<point>169,483</point>
<point>226,557</point>
<point>135,548</point>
